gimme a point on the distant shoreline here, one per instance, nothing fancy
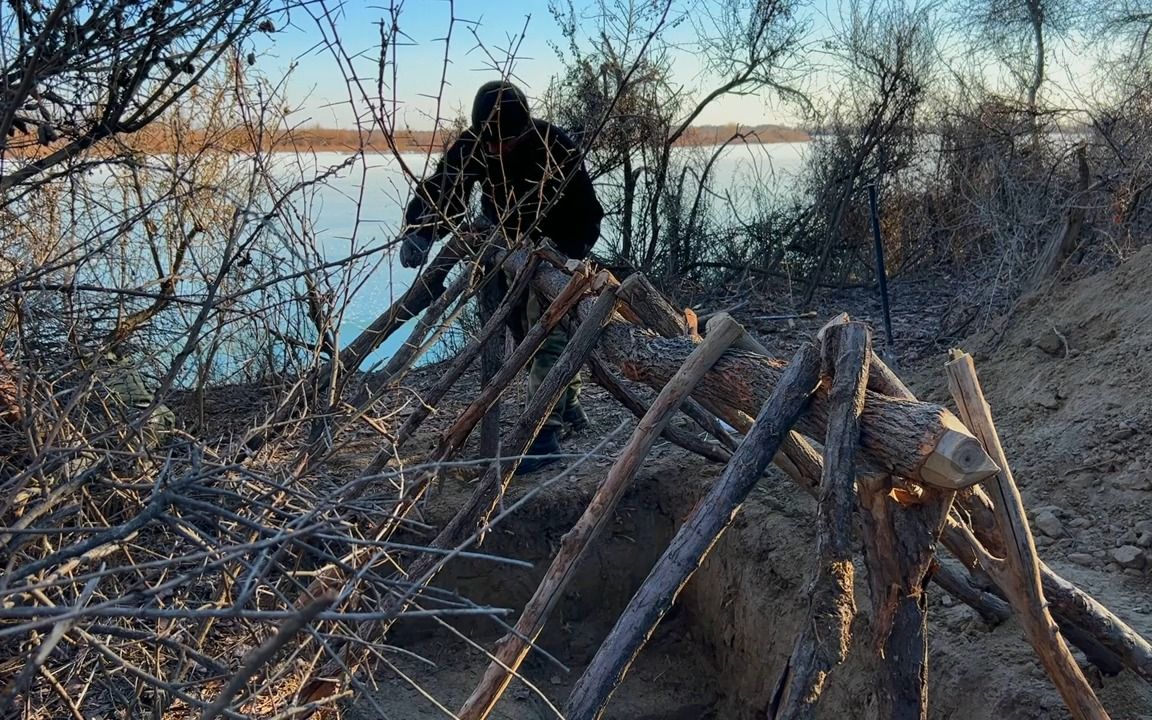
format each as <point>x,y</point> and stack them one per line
<point>161,139</point>
<point>320,139</point>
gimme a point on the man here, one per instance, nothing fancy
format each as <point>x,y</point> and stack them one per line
<point>533,185</point>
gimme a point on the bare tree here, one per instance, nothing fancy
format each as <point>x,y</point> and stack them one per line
<point>76,72</point>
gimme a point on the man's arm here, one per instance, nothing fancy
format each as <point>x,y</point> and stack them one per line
<point>440,201</point>
<point>580,191</point>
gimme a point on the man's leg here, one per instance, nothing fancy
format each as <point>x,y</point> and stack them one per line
<point>543,361</point>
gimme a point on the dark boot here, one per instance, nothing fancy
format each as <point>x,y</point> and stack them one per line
<point>543,452</point>
<point>575,419</point>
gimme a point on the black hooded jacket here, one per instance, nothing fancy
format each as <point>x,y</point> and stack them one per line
<point>541,180</point>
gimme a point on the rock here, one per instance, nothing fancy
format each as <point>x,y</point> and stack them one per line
<point>1082,559</point>
<point>1080,523</point>
<point>1145,541</point>
<point>1051,343</point>
<point>1047,400</point>
<point>1047,522</point>
<point>1144,527</point>
<point>1128,538</point>
<point>1122,434</point>
<point>1129,556</point>
<point>1130,481</point>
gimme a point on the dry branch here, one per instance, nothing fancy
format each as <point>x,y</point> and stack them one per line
<point>707,522</point>
<point>455,436</point>
<point>827,635</point>
<point>1018,574</point>
<point>514,648</point>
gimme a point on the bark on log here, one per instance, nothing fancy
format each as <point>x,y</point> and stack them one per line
<point>654,312</point>
<point>513,648</point>
<point>913,439</point>
<point>491,359</point>
<point>1076,608</point>
<point>952,577</point>
<point>1018,574</point>
<point>649,304</point>
<point>606,379</point>
<point>707,522</point>
<point>826,637</point>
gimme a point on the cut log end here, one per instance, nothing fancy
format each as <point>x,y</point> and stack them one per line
<point>958,461</point>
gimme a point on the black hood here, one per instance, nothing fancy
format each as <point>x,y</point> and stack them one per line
<point>500,111</point>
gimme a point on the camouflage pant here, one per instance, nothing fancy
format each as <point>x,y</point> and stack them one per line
<point>545,359</point>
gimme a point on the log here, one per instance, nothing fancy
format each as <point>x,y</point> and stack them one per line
<point>606,379</point>
<point>826,637</point>
<point>491,359</point>
<point>953,579</point>
<point>654,312</point>
<point>1072,608</point>
<point>473,516</point>
<point>513,648</point>
<point>428,286</point>
<point>1077,610</point>
<point>456,435</point>
<point>1018,573</point>
<point>322,435</point>
<point>649,304</point>
<point>704,525</point>
<point>917,440</point>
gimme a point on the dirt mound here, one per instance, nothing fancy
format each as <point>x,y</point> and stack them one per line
<point>1066,374</point>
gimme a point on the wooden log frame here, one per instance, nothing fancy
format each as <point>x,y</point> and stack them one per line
<point>1105,639</point>
<point>469,524</point>
<point>914,439</point>
<point>696,536</point>
<point>826,637</point>
<point>513,649</point>
<point>1018,573</point>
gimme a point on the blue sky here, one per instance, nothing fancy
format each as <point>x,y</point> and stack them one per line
<point>484,33</point>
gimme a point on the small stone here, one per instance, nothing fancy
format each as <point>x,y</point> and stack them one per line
<point>1134,572</point>
<point>1129,557</point>
<point>1130,481</point>
<point>1128,538</point>
<point>1049,524</point>
<point>1080,523</point>
<point>1122,434</point>
<point>1082,559</point>
<point>1047,400</point>
<point>1051,343</point>
<point>1144,527</point>
<point>1145,540</point>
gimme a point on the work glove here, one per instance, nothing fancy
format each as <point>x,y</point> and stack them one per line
<point>414,247</point>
